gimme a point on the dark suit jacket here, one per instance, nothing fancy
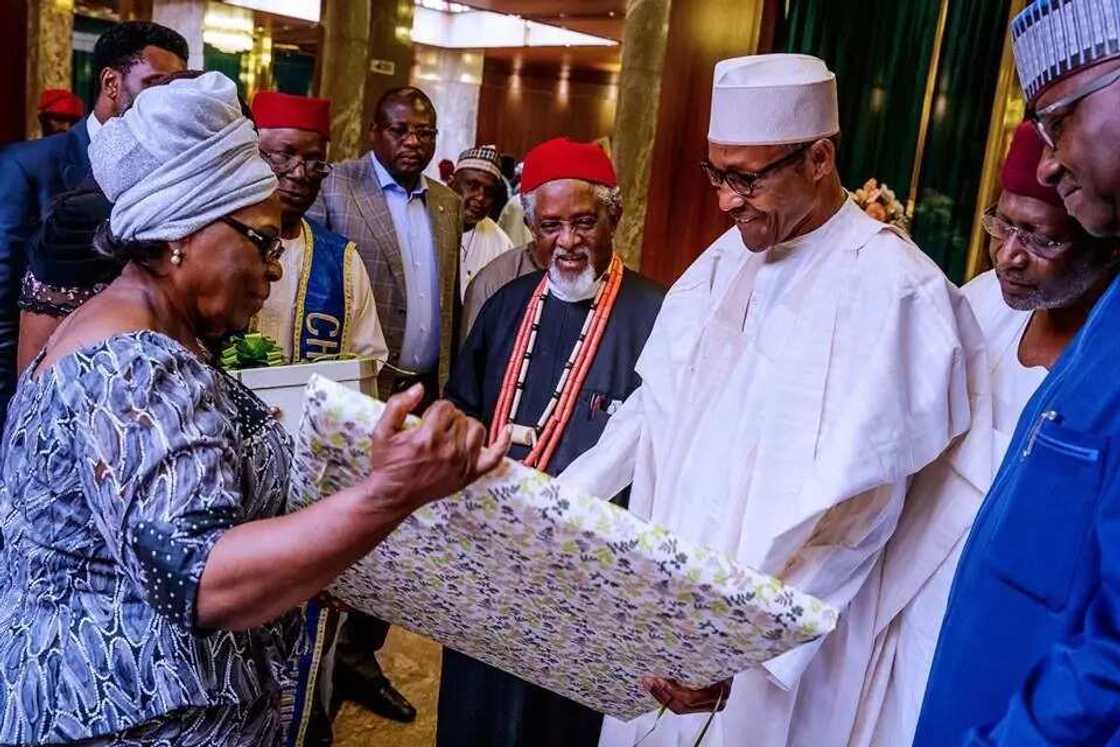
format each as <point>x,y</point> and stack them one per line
<point>32,174</point>
<point>352,203</point>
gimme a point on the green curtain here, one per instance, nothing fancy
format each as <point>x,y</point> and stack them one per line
<point>229,64</point>
<point>958,132</point>
<point>880,51</point>
<point>293,72</point>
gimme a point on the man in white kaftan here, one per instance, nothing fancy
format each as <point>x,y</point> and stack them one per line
<point>804,367</point>
<point>1048,275</point>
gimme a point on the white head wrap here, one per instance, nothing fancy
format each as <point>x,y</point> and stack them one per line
<point>180,158</point>
<point>773,99</point>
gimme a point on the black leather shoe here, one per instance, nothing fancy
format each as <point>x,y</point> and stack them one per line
<point>375,694</point>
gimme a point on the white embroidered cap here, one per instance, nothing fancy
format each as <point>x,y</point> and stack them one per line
<point>773,99</point>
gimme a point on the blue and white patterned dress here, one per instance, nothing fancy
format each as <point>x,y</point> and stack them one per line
<point>122,466</point>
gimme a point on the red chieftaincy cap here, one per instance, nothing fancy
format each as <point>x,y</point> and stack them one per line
<point>1020,170</point>
<point>61,102</point>
<point>566,159</point>
<point>274,109</point>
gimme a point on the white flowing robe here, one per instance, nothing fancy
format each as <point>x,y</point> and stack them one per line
<point>479,247</point>
<point>787,397</point>
<point>921,558</point>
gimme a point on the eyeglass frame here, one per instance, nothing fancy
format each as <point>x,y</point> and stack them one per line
<point>1069,104</point>
<point>322,168</point>
<point>1025,237</point>
<point>423,134</point>
<point>573,225</point>
<point>753,177</point>
<point>271,248</point>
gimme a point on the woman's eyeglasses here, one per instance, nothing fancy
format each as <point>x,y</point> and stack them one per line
<point>270,247</point>
<point>744,183</point>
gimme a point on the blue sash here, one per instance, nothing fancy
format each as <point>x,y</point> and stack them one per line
<point>307,711</point>
<point>322,327</point>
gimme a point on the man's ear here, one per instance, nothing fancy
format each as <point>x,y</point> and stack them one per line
<point>822,157</point>
<point>111,83</point>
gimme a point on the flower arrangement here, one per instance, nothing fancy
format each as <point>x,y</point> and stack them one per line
<point>879,201</point>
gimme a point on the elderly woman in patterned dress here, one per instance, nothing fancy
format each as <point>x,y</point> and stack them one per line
<point>151,581</point>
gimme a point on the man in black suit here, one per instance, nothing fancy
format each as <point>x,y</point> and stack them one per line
<point>128,57</point>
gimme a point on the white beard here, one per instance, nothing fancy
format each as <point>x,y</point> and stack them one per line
<point>573,288</point>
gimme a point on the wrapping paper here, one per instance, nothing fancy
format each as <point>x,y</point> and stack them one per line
<point>552,585</point>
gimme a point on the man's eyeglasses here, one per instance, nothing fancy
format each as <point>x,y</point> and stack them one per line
<point>286,163</point>
<point>423,134</point>
<point>744,183</point>
<point>583,226</point>
<point>1048,121</point>
<point>1040,246</point>
<point>270,247</point>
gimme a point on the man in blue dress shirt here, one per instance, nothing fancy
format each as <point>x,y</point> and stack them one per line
<point>1029,652</point>
<point>408,229</point>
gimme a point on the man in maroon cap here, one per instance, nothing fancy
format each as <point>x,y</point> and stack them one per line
<point>59,110</point>
<point>323,305</point>
<point>579,326</point>
<point>1048,273</point>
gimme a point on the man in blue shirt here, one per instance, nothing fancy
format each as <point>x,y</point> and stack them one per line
<point>408,229</point>
<point>1029,652</point>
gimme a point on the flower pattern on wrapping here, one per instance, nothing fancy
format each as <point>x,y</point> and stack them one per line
<point>562,589</point>
<point>123,464</point>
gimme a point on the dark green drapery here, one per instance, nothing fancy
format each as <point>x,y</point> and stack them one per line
<point>880,52</point>
<point>293,72</point>
<point>958,131</point>
<point>226,63</point>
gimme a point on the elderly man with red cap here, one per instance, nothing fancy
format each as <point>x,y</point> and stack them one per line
<point>1048,273</point>
<point>552,355</point>
<point>323,305</point>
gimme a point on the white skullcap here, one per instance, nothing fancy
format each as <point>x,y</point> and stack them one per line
<point>180,158</point>
<point>773,99</point>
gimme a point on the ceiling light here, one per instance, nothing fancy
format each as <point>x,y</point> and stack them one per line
<point>307,10</point>
<point>483,29</point>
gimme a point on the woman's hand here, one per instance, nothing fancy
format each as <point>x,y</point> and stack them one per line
<point>444,454</point>
<point>683,700</point>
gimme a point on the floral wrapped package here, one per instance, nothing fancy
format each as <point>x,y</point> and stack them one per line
<point>557,587</point>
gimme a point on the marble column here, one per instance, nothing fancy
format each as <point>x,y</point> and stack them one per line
<point>344,67</point>
<point>186,17</point>
<point>452,78</point>
<point>639,96</point>
<point>666,143</point>
<point>391,53</point>
<point>50,29</point>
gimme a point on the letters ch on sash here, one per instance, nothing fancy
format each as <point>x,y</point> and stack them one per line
<point>331,328</point>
